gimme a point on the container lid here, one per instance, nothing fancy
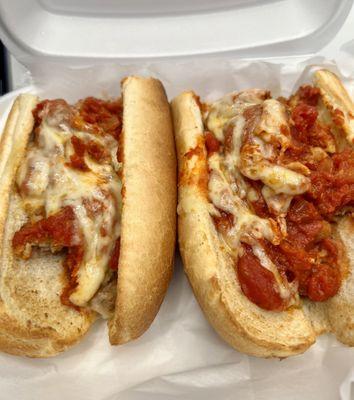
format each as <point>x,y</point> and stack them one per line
<point>132,30</point>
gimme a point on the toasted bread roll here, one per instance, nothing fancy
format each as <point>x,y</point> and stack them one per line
<point>149,209</point>
<point>208,260</point>
<point>40,315</point>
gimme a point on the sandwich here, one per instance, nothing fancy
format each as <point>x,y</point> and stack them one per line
<point>265,213</point>
<point>87,217</point>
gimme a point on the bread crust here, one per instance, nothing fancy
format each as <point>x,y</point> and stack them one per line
<point>336,98</point>
<point>148,224</point>
<point>24,328</point>
<point>241,323</point>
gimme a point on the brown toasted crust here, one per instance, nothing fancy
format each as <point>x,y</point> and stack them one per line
<point>33,322</point>
<point>338,103</point>
<point>211,274</point>
<point>149,208</point>
<point>340,308</point>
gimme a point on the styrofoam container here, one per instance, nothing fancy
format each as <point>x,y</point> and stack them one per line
<point>75,48</point>
<point>83,31</point>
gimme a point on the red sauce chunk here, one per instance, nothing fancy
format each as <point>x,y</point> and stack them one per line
<point>259,205</point>
<point>257,283</point>
<point>304,117</point>
<point>77,160</point>
<point>72,263</point>
<point>113,262</point>
<point>60,231</point>
<point>50,107</point>
<point>324,282</point>
<point>309,95</point>
<point>96,151</point>
<point>332,186</point>
<point>107,115</point>
<point>211,142</point>
<point>308,253</point>
<point>224,222</point>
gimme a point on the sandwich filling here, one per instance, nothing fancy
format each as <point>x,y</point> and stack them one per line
<point>281,172</point>
<point>70,187</point>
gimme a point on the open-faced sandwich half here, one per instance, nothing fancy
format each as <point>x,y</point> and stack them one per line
<point>266,195</point>
<point>87,217</point>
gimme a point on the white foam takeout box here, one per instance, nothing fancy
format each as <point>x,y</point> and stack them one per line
<point>73,49</point>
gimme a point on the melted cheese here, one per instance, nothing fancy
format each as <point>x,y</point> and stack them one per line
<point>274,123</point>
<point>277,177</point>
<point>255,163</point>
<point>228,107</point>
<point>256,157</point>
<point>278,203</point>
<point>50,184</point>
<point>246,224</point>
<point>232,158</point>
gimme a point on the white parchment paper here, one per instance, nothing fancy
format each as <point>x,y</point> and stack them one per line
<point>180,356</point>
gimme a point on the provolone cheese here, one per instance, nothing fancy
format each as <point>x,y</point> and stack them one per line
<point>246,223</point>
<point>228,107</point>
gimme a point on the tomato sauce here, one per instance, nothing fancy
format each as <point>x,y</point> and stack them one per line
<point>304,117</point>
<point>50,107</point>
<point>309,95</point>
<point>95,150</point>
<point>307,254</point>
<point>257,283</point>
<point>107,115</point>
<point>259,205</point>
<point>93,207</point>
<point>113,262</point>
<point>77,160</point>
<point>59,231</point>
<point>306,130</point>
<point>96,116</point>
<point>224,222</point>
<point>211,142</point>
<point>195,151</point>
<point>71,265</point>
<point>333,184</point>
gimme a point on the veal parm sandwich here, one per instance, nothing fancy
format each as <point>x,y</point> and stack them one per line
<point>87,217</point>
<point>266,195</point>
